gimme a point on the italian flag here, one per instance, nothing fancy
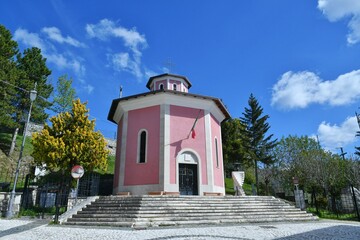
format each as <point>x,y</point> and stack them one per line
<point>192,131</point>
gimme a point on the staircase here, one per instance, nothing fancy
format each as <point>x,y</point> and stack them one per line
<point>149,211</point>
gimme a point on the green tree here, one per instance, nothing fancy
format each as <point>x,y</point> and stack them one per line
<point>33,70</point>
<point>64,95</point>
<point>233,151</point>
<point>257,145</point>
<point>318,171</point>
<point>300,157</point>
<point>70,140</point>
<point>8,77</point>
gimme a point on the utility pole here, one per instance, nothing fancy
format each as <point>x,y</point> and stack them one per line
<point>9,213</point>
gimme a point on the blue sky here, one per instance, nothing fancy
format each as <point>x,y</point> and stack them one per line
<point>299,58</point>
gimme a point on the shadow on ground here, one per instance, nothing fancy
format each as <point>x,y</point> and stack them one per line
<point>336,232</point>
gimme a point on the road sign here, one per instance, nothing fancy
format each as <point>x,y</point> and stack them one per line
<point>77,171</point>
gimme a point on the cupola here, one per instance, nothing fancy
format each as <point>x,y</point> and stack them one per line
<point>168,81</point>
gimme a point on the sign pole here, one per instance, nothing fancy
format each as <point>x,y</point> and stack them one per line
<point>77,190</point>
<point>77,172</point>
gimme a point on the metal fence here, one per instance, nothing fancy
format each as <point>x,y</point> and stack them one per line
<point>52,193</point>
<point>345,205</point>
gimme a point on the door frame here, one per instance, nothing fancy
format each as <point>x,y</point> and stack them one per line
<point>195,160</point>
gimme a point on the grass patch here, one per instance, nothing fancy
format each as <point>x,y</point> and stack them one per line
<point>110,167</point>
<point>38,211</point>
<point>5,143</point>
<point>229,187</point>
<point>330,215</point>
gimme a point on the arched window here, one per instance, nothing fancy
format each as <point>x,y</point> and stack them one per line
<point>174,87</point>
<point>161,86</point>
<point>142,146</point>
<point>216,152</point>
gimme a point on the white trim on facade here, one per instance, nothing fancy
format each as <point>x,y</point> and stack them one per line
<point>123,150</point>
<point>209,153</point>
<point>166,152</point>
<point>171,99</point>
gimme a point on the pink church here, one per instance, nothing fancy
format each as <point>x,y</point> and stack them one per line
<point>168,140</point>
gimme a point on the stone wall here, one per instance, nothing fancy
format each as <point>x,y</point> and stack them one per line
<point>4,199</point>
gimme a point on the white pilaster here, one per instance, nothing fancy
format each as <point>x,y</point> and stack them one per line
<point>123,149</point>
<point>209,153</point>
<point>166,146</point>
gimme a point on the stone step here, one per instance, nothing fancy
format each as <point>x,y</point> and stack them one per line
<point>172,217</point>
<point>190,214</point>
<point>207,199</point>
<point>92,223</point>
<point>187,209</point>
<point>184,206</point>
<point>186,221</point>
<point>101,201</point>
<point>184,210</point>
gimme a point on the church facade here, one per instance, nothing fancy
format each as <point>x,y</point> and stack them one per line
<point>168,140</point>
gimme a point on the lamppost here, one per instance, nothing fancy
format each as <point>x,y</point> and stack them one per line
<point>10,213</point>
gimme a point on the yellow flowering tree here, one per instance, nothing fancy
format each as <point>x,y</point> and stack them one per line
<point>70,140</point>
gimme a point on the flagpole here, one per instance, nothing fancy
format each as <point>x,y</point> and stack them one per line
<point>194,123</point>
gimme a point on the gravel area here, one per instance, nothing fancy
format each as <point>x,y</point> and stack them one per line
<point>323,229</point>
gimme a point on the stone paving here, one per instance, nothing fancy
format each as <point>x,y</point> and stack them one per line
<point>323,229</point>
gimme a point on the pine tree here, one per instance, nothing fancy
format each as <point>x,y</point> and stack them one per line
<point>258,147</point>
<point>232,145</point>
<point>8,76</point>
<point>33,69</point>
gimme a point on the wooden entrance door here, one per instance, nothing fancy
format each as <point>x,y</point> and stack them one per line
<point>188,182</point>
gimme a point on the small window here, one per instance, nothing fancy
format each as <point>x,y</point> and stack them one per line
<point>216,152</point>
<point>142,147</point>
<point>161,86</point>
<point>174,87</point>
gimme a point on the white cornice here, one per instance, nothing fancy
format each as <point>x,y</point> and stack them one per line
<point>167,98</point>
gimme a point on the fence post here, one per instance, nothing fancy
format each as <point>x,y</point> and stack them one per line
<point>355,202</point>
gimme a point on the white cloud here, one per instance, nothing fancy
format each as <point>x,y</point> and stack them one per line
<point>336,10</point>
<point>133,41</point>
<point>298,90</point>
<point>88,88</point>
<point>55,34</point>
<point>106,28</point>
<point>123,62</point>
<point>29,39</point>
<point>65,60</point>
<point>334,136</point>
<point>150,73</point>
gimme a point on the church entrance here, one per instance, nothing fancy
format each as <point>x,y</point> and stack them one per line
<point>188,181</point>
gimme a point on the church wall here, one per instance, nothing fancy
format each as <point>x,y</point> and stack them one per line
<point>148,172</point>
<point>181,122</point>
<point>178,85</point>
<point>164,83</point>
<point>218,168</point>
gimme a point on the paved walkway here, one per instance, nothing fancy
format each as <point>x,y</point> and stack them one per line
<point>323,229</point>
